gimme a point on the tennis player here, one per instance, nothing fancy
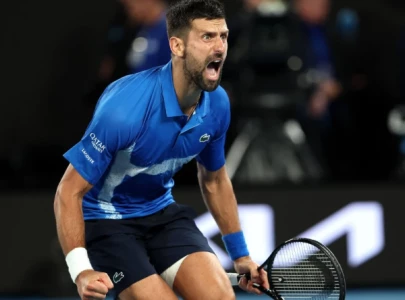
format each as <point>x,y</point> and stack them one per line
<point>117,221</point>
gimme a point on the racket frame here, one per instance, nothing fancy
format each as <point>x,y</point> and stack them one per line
<point>273,293</point>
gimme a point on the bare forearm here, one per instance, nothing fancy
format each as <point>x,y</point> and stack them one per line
<point>221,202</point>
<point>69,221</point>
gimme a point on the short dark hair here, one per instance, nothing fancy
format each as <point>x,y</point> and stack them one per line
<point>181,13</point>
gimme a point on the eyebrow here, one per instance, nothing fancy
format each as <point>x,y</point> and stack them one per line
<point>213,32</point>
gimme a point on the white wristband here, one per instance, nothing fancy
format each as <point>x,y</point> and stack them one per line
<point>78,261</point>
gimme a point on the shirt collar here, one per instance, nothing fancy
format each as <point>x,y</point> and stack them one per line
<point>204,105</point>
<point>169,94</point>
<point>170,98</point>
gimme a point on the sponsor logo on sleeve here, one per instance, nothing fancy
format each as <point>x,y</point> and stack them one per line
<point>97,144</point>
<point>87,156</point>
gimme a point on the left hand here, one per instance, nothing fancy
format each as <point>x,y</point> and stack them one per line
<point>246,265</point>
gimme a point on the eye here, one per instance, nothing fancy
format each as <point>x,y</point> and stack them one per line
<point>206,37</point>
<point>224,37</point>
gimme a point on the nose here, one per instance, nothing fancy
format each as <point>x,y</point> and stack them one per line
<point>219,46</point>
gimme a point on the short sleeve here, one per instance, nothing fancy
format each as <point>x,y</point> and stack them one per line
<point>92,155</point>
<point>107,133</point>
<point>213,155</point>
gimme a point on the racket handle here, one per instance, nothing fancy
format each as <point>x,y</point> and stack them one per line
<point>235,277</point>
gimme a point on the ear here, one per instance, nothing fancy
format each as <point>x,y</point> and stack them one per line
<point>177,46</point>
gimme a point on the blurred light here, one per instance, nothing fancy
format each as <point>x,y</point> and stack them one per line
<point>311,76</point>
<point>293,130</point>
<point>396,120</point>
<point>140,44</point>
<point>276,8</point>
<point>294,63</point>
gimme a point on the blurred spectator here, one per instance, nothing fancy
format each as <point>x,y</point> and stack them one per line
<point>150,48</point>
<point>293,64</point>
<point>326,46</point>
<point>137,40</point>
<point>396,117</point>
<point>138,43</point>
<point>313,15</point>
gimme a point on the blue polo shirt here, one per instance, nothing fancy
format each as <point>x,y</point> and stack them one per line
<point>139,138</point>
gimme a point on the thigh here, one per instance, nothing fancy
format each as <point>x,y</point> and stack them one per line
<point>149,288</point>
<point>123,257</point>
<point>201,276</point>
<point>178,238</point>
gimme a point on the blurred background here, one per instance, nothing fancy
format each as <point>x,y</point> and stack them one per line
<point>316,145</point>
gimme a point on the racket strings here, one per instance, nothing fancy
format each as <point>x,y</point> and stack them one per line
<point>302,271</point>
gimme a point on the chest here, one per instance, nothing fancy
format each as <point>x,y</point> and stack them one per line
<point>172,138</point>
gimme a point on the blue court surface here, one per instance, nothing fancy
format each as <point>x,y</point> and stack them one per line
<point>354,295</point>
<point>398,294</point>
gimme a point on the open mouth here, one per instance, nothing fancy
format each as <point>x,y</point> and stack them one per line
<point>213,68</point>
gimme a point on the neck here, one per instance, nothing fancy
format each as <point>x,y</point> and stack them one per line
<point>188,94</point>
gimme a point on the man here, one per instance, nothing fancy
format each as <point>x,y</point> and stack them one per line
<point>145,127</point>
<point>140,43</point>
<point>328,45</point>
<point>313,16</point>
<point>150,47</point>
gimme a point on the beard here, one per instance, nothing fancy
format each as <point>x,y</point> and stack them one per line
<point>194,72</point>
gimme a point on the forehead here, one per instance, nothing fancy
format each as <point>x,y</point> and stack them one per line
<point>209,25</point>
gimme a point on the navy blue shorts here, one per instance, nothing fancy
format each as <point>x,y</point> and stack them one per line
<point>130,250</point>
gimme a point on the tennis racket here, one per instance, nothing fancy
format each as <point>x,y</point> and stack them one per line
<point>299,269</point>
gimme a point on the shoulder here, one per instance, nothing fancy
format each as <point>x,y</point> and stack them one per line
<point>134,83</point>
<point>129,95</point>
<point>124,102</point>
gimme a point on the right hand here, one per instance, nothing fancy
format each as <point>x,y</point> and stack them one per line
<point>246,265</point>
<point>93,285</point>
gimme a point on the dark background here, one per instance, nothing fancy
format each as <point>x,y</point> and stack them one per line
<point>50,56</point>
<point>50,53</point>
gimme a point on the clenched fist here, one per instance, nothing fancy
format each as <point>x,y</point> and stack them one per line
<point>93,285</point>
